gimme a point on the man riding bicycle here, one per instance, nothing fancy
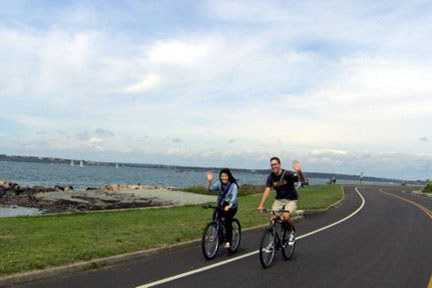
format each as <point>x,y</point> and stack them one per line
<point>286,194</point>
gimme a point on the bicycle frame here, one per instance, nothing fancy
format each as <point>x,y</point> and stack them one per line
<point>276,233</point>
<point>274,238</point>
<point>217,220</point>
<point>273,225</point>
<point>216,232</point>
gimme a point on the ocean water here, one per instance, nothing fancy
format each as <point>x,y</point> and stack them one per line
<point>11,211</point>
<point>96,176</point>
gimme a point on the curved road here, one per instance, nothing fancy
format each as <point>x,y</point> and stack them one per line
<point>387,243</point>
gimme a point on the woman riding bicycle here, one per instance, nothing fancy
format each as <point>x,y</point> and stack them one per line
<point>227,200</point>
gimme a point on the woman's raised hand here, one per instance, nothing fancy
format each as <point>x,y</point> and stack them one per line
<point>210,176</point>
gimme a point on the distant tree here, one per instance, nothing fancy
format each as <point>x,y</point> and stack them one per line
<point>428,188</point>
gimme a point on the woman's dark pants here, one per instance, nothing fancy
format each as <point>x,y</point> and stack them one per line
<point>228,215</point>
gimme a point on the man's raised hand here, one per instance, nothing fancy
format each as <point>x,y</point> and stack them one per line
<point>296,165</point>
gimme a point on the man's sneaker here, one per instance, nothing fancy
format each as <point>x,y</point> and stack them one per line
<point>227,245</point>
<point>291,239</point>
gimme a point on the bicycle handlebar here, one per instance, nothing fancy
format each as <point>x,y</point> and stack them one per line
<point>266,210</point>
<point>210,207</point>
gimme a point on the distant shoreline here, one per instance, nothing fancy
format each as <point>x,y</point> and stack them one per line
<point>53,160</point>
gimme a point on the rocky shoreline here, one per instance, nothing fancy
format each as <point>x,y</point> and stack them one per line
<point>64,198</point>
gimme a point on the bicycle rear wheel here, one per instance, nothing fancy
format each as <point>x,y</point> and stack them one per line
<point>287,250</point>
<point>236,236</point>
<point>210,241</point>
<point>267,248</point>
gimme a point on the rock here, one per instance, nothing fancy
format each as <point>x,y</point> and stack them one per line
<point>111,187</point>
<point>21,188</point>
<point>128,187</point>
<point>9,193</point>
<point>38,188</point>
<point>82,206</point>
<point>68,188</point>
<point>23,195</point>
<point>5,184</point>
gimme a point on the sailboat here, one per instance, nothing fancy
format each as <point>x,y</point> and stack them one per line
<point>117,166</point>
<point>72,163</point>
<point>81,164</point>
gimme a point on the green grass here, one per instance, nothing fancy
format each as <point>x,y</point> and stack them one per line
<point>319,196</point>
<point>28,243</point>
<point>244,190</point>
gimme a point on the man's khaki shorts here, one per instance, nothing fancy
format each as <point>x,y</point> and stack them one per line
<point>285,204</point>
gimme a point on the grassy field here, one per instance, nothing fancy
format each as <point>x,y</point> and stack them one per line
<point>28,243</point>
<point>244,190</point>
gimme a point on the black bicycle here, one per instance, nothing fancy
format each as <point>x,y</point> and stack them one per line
<point>275,237</point>
<point>214,235</point>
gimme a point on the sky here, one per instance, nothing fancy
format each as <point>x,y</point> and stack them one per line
<point>341,86</point>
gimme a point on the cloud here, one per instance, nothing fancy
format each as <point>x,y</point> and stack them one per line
<point>317,152</point>
<point>170,139</point>
<point>253,12</point>
<point>381,164</point>
<point>424,139</point>
<point>216,73</point>
<point>95,143</point>
<point>150,82</point>
<point>41,132</point>
<point>99,133</point>
<point>175,52</point>
<point>103,133</point>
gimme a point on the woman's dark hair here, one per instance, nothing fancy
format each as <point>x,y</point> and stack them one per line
<point>230,176</point>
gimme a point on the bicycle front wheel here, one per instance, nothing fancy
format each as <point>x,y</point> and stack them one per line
<point>210,241</point>
<point>267,248</point>
<point>287,249</point>
<point>236,236</point>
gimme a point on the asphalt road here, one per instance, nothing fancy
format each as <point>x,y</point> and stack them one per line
<point>388,243</point>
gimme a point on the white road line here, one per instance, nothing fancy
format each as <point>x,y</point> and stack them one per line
<point>185,274</point>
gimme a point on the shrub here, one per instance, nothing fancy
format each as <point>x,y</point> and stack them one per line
<point>428,188</point>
